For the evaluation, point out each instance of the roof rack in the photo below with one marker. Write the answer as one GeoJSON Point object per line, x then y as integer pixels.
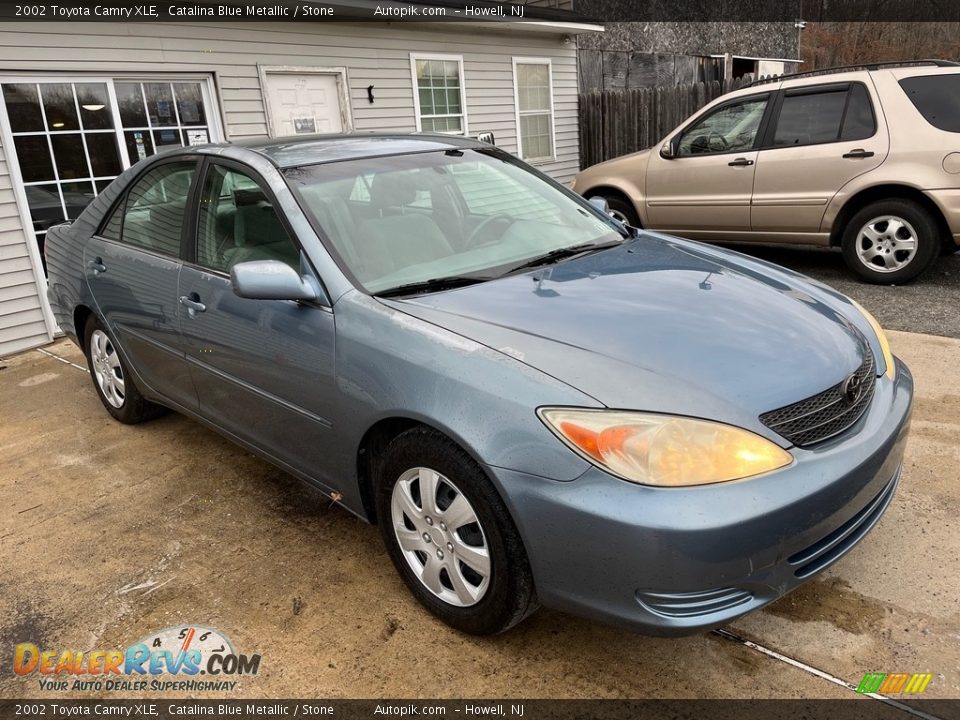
{"type": "Point", "coordinates": [847, 68]}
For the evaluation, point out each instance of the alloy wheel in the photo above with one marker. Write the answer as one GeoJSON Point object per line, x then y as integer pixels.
{"type": "Point", "coordinates": [886, 244]}
{"type": "Point", "coordinates": [440, 537]}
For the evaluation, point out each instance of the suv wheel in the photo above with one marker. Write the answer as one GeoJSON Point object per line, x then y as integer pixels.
{"type": "Point", "coordinates": [890, 241]}
{"type": "Point", "coordinates": [450, 536]}
{"type": "Point", "coordinates": [112, 381]}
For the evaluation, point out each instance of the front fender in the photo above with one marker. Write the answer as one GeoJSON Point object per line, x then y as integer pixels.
{"type": "Point", "coordinates": [392, 365]}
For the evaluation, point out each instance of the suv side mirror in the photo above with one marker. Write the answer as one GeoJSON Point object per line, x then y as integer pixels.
{"type": "Point", "coordinates": [668, 150]}
{"type": "Point", "coordinates": [271, 280]}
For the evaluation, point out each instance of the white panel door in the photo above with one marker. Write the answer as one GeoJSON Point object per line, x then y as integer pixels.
{"type": "Point", "coordinates": [304, 104]}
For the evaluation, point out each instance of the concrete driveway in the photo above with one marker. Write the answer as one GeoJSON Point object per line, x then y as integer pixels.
{"type": "Point", "coordinates": [109, 533]}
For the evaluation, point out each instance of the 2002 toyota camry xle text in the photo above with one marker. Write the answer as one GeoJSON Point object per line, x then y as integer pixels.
{"type": "Point", "coordinates": [535, 403]}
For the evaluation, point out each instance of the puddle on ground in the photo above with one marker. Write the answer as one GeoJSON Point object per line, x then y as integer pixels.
{"type": "Point", "coordinates": [831, 600]}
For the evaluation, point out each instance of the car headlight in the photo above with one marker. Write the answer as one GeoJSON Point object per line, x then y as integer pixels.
{"type": "Point", "coordinates": [664, 450]}
{"type": "Point", "coordinates": [891, 366]}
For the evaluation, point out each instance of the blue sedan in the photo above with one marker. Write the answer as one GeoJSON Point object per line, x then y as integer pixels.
{"type": "Point", "coordinates": [534, 402]}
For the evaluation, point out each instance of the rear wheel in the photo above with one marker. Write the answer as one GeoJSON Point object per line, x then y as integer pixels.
{"type": "Point", "coordinates": [114, 385]}
{"type": "Point", "coordinates": [450, 535]}
{"type": "Point", "coordinates": [891, 241]}
{"type": "Point", "coordinates": [620, 208]}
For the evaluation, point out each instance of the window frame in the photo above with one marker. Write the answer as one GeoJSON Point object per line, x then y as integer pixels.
{"type": "Point", "coordinates": [192, 237]}
{"type": "Point", "coordinates": [120, 205]}
{"type": "Point", "coordinates": [418, 116]}
{"type": "Point", "coordinates": [518, 114]}
{"type": "Point", "coordinates": [762, 129]}
{"type": "Point", "coordinates": [818, 89]}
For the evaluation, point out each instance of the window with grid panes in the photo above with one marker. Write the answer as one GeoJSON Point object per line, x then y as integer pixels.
{"type": "Point", "coordinates": [534, 110]}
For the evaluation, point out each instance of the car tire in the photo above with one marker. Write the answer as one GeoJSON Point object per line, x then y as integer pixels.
{"type": "Point", "coordinates": [112, 380]}
{"type": "Point", "coordinates": [621, 209]}
{"type": "Point", "coordinates": [891, 241]}
{"type": "Point", "coordinates": [484, 586]}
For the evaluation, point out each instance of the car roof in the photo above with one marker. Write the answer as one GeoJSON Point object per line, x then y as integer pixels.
{"type": "Point", "coordinates": [298, 150]}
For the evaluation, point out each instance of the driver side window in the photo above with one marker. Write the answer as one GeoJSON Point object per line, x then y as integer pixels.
{"type": "Point", "coordinates": [237, 223]}
{"type": "Point", "coordinates": [731, 128]}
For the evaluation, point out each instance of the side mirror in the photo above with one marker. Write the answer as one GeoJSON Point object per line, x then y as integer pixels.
{"type": "Point", "coordinates": [668, 150]}
{"type": "Point", "coordinates": [271, 280]}
{"type": "Point", "coordinates": [600, 203]}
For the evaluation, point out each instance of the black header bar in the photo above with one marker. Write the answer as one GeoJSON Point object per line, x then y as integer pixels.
{"type": "Point", "coordinates": [584, 11]}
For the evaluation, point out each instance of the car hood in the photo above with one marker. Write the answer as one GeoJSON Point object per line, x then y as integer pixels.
{"type": "Point", "coordinates": [662, 325]}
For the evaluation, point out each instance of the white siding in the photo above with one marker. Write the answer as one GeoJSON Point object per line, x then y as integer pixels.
{"type": "Point", "coordinates": [22, 324]}
{"type": "Point", "coordinates": [377, 55]}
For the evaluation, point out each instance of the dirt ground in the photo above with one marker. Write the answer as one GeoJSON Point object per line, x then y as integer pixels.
{"type": "Point", "coordinates": [109, 533]}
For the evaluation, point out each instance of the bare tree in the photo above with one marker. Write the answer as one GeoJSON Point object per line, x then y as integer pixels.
{"type": "Point", "coordinates": [851, 43]}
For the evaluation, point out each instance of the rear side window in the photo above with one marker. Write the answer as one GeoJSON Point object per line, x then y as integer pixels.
{"type": "Point", "coordinates": [937, 97]}
{"type": "Point", "coordinates": [151, 215]}
{"type": "Point", "coordinates": [810, 118]}
{"type": "Point", "coordinates": [858, 121]}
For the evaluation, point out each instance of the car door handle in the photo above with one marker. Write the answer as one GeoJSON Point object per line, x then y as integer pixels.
{"type": "Point", "coordinates": [859, 153]}
{"type": "Point", "coordinates": [740, 162]}
{"type": "Point", "coordinates": [193, 306]}
{"type": "Point", "coordinates": [97, 266]}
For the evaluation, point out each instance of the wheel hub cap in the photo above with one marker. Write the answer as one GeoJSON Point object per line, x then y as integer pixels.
{"type": "Point", "coordinates": [107, 370]}
{"type": "Point", "coordinates": [886, 244]}
{"type": "Point", "coordinates": [440, 537]}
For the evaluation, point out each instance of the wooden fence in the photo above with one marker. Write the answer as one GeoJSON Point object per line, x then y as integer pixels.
{"type": "Point", "coordinates": [617, 122]}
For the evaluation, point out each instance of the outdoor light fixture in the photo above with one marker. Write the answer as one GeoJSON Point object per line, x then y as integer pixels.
{"type": "Point", "coordinates": [93, 108]}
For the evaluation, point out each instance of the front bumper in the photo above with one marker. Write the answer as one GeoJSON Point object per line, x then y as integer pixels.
{"type": "Point", "coordinates": [675, 561]}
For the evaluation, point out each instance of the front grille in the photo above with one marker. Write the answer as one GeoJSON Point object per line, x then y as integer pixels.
{"type": "Point", "coordinates": [692, 604]}
{"type": "Point", "coordinates": [827, 550]}
{"type": "Point", "coordinates": [826, 414]}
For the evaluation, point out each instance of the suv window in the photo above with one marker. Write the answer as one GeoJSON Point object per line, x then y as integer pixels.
{"type": "Point", "coordinates": [237, 223]}
{"type": "Point", "coordinates": [937, 97]}
{"type": "Point", "coordinates": [731, 128]}
{"type": "Point", "coordinates": [810, 118]}
{"type": "Point", "coordinates": [151, 214]}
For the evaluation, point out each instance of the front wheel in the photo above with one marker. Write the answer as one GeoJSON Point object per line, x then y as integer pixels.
{"type": "Point", "coordinates": [450, 536]}
{"type": "Point", "coordinates": [891, 241]}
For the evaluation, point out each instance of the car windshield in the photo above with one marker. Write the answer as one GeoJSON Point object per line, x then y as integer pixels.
{"type": "Point", "coordinates": [410, 219]}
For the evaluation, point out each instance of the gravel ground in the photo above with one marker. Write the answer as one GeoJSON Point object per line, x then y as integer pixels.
{"type": "Point", "coordinates": [928, 305]}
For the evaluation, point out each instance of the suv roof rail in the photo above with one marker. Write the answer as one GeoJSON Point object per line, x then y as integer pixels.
{"type": "Point", "coordinates": [846, 68]}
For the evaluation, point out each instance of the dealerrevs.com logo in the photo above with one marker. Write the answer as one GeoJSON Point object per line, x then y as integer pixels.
{"type": "Point", "coordinates": [187, 658]}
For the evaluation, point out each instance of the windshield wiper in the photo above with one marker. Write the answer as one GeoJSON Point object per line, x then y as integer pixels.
{"type": "Point", "coordinates": [563, 253]}
{"type": "Point", "coordinates": [432, 285]}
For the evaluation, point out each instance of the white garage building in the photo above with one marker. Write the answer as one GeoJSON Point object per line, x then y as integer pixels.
{"type": "Point", "coordinates": [83, 101]}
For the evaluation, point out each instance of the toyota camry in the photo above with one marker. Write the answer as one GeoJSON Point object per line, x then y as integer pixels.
{"type": "Point", "coordinates": [537, 404]}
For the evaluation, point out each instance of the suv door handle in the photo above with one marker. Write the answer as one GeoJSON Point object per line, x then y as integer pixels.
{"type": "Point", "coordinates": [740, 162]}
{"type": "Point", "coordinates": [193, 306]}
{"type": "Point", "coordinates": [859, 153]}
{"type": "Point", "coordinates": [97, 266]}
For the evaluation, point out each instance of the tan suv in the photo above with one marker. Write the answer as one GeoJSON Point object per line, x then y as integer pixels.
{"type": "Point", "coordinates": [865, 158]}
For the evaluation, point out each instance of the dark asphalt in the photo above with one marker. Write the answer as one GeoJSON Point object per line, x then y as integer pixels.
{"type": "Point", "coordinates": [930, 304]}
